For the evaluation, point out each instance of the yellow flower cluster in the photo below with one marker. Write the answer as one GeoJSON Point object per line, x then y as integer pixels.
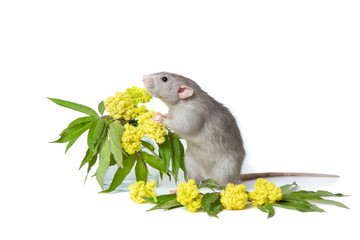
{"type": "Point", "coordinates": [131, 137]}
{"type": "Point", "coordinates": [189, 196]}
{"type": "Point", "coordinates": [152, 129]}
{"type": "Point", "coordinates": [138, 95]}
{"type": "Point", "coordinates": [119, 106]}
{"type": "Point", "coordinates": [124, 105]}
{"type": "Point", "coordinates": [141, 189]}
{"type": "Point", "coordinates": [265, 192]}
{"type": "Point", "coordinates": [234, 197]}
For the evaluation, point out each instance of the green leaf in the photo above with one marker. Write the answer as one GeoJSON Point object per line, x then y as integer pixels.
{"type": "Point", "coordinates": [91, 163]}
{"type": "Point", "coordinates": [77, 121]}
{"type": "Point", "coordinates": [148, 145]}
{"type": "Point", "coordinates": [300, 202]}
{"type": "Point", "coordinates": [288, 188]}
{"type": "Point", "coordinates": [73, 132]}
{"type": "Point", "coordinates": [165, 151]}
{"type": "Point", "coordinates": [166, 205]}
{"type": "Point", "coordinates": [101, 107]}
{"type": "Point", "coordinates": [211, 204]}
{"type": "Point", "coordinates": [301, 207]}
{"type": "Point", "coordinates": [104, 162]}
{"type": "Point", "coordinates": [140, 171]}
{"type": "Point", "coordinates": [312, 195]}
{"type": "Point", "coordinates": [121, 173]}
{"type": "Point", "coordinates": [70, 143]}
{"type": "Point", "coordinates": [176, 156]}
{"type": "Point", "coordinates": [208, 199]}
{"type": "Point", "coordinates": [116, 130]}
{"type": "Point", "coordinates": [268, 208]}
{"type": "Point", "coordinates": [330, 202]}
{"type": "Point", "coordinates": [75, 106]}
{"type": "Point", "coordinates": [89, 154]}
{"type": "Point", "coordinates": [182, 160]}
{"type": "Point", "coordinates": [153, 162]}
{"type": "Point", "coordinates": [210, 183]}
{"type": "Point", "coordinates": [94, 134]}
{"type": "Point", "coordinates": [161, 199]}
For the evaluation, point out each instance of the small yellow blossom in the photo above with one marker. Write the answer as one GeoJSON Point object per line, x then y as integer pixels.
{"type": "Point", "coordinates": [124, 105]}
{"type": "Point", "coordinates": [131, 138]}
{"type": "Point", "coordinates": [137, 111]}
{"type": "Point", "coordinates": [189, 195]}
{"type": "Point", "coordinates": [141, 189]}
{"type": "Point", "coordinates": [119, 106]}
{"type": "Point", "coordinates": [265, 192]}
{"type": "Point", "coordinates": [152, 129]}
{"type": "Point", "coordinates": [138, 95]}
{"type": "Point", "coordinates": [234, 197]}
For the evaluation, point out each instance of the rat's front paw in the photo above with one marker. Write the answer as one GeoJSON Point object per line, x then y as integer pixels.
{"type": "Point", "coordinates": [158, 117]}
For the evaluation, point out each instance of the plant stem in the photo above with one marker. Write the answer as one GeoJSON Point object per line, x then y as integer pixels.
{"type": "Point", "coordinates": [152, 195]}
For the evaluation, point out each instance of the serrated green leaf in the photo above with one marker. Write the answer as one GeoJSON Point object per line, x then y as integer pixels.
{"type": "Point", "coordinates": [148, 145]}
{"type": "Point", "coordinates": [330, 202]}
{"type": "Point", "coordinates": [75, 106]}
{"type": "Point", "coordinates": [268, 208]}
{"type": "Point", "coordinates": [209, 183]}
{"type": "Point", "coordinates": [288, 188]}
{"type": "Point", "coordinates": [176, 154]}
{"type": "Point", "coordinates": [91, 163]}
{"type": "Point", "coordinates": [312, 195]}
{"type": "Point", "coordinates": [94, 134]}
{"type": "Point", "coordinates": [208, 199]}
{"type": "Point", "coordinates": [153, 162]}
{"type": "Point", "coordinates": [115, 133]}
{"type": "Point", "coordinates": [296, 201]}
{"type": "Point", "coordinates": [182, 161]}
{"type": "Point", "coordinates": [70, 143]}
{"type": "Point", "coordinates": [165, 152]}
{"type": "Point", "coordinates": [101, 107]}
{"type": "Point", "coordinates": [161, 199]}
{"type": "Point", "coordinates": [104, 162]}
{"type": "Point", "coordinates": [77, 121]}
{"type": "Point", "coordinates": [298, 206]}
{"type": "Point", "coordinates": [89, 154]}
{"type": "Point", "coordinates": [166, 205]}
{"type": "Point", "coordinates": [112, 160]}
{"type": "Point", "coordinates": [121, 173]}
{"type": "Point", "coordinates": [73, 132]}
{"type": "Point", "coordinates": [140, 171]}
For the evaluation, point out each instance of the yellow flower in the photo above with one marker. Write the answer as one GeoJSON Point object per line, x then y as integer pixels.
{"type": "Point", "coordinates": [234, 197]}
{"type": "Point", "coordinates": [189, 195]}
{"type": "Point", "coordinates": [265, 192]}
{"type": "Point", "coordinates": [138, 95]}
{"type": "Point", "coordinates": [131, 138]}
{"type": "Point", "coordinates": [119, 106]}
{"type": "Point", "coordinates": [141, 189]}
{"type": "Point", "coordinates": [152, 129]}
{"type": "Point", "coordinates": [124, 105]}
{"type": "Point", "coordinates": [137, 111]}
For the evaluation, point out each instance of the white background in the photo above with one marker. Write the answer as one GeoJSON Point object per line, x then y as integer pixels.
{"type": "Point", "coordinates": [288, 71]}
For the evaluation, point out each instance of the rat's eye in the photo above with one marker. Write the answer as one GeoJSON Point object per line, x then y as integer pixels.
{"type": "Point", "coordinates": [164, 79]}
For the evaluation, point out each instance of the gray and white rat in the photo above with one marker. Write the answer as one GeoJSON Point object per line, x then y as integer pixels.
{"type": "Point", "coordinates": [215, 147]}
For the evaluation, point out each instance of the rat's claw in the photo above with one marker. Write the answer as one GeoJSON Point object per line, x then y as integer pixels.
{"type": "Point", "coordinates": [158, 117]}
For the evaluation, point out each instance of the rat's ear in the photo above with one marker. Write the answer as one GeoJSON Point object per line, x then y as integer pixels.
{"type": "Point", "coordinates": [185, 92]}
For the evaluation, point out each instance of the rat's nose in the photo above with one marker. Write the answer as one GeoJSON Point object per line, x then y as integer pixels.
{"type": "Point", "coordinates": [143, 78]}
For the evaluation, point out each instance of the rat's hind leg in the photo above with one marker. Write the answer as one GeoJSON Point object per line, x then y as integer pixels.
{"type": "Point", "coordinates": [193, 169]}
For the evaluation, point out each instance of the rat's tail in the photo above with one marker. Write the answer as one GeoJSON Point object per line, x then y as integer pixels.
{"type": "Point", "coordinates": [251, 176]}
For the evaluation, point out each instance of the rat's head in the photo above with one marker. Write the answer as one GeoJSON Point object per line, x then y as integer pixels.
{"type": "Point", "coordinates": [168, 87]}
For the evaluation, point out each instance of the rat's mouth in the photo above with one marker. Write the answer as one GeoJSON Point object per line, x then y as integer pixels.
{"type": "Point", "coordinates": [148, 83]}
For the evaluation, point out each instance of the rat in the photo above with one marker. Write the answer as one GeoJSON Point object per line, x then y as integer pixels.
{"type": "Point", "coordinates": [215, 148]}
